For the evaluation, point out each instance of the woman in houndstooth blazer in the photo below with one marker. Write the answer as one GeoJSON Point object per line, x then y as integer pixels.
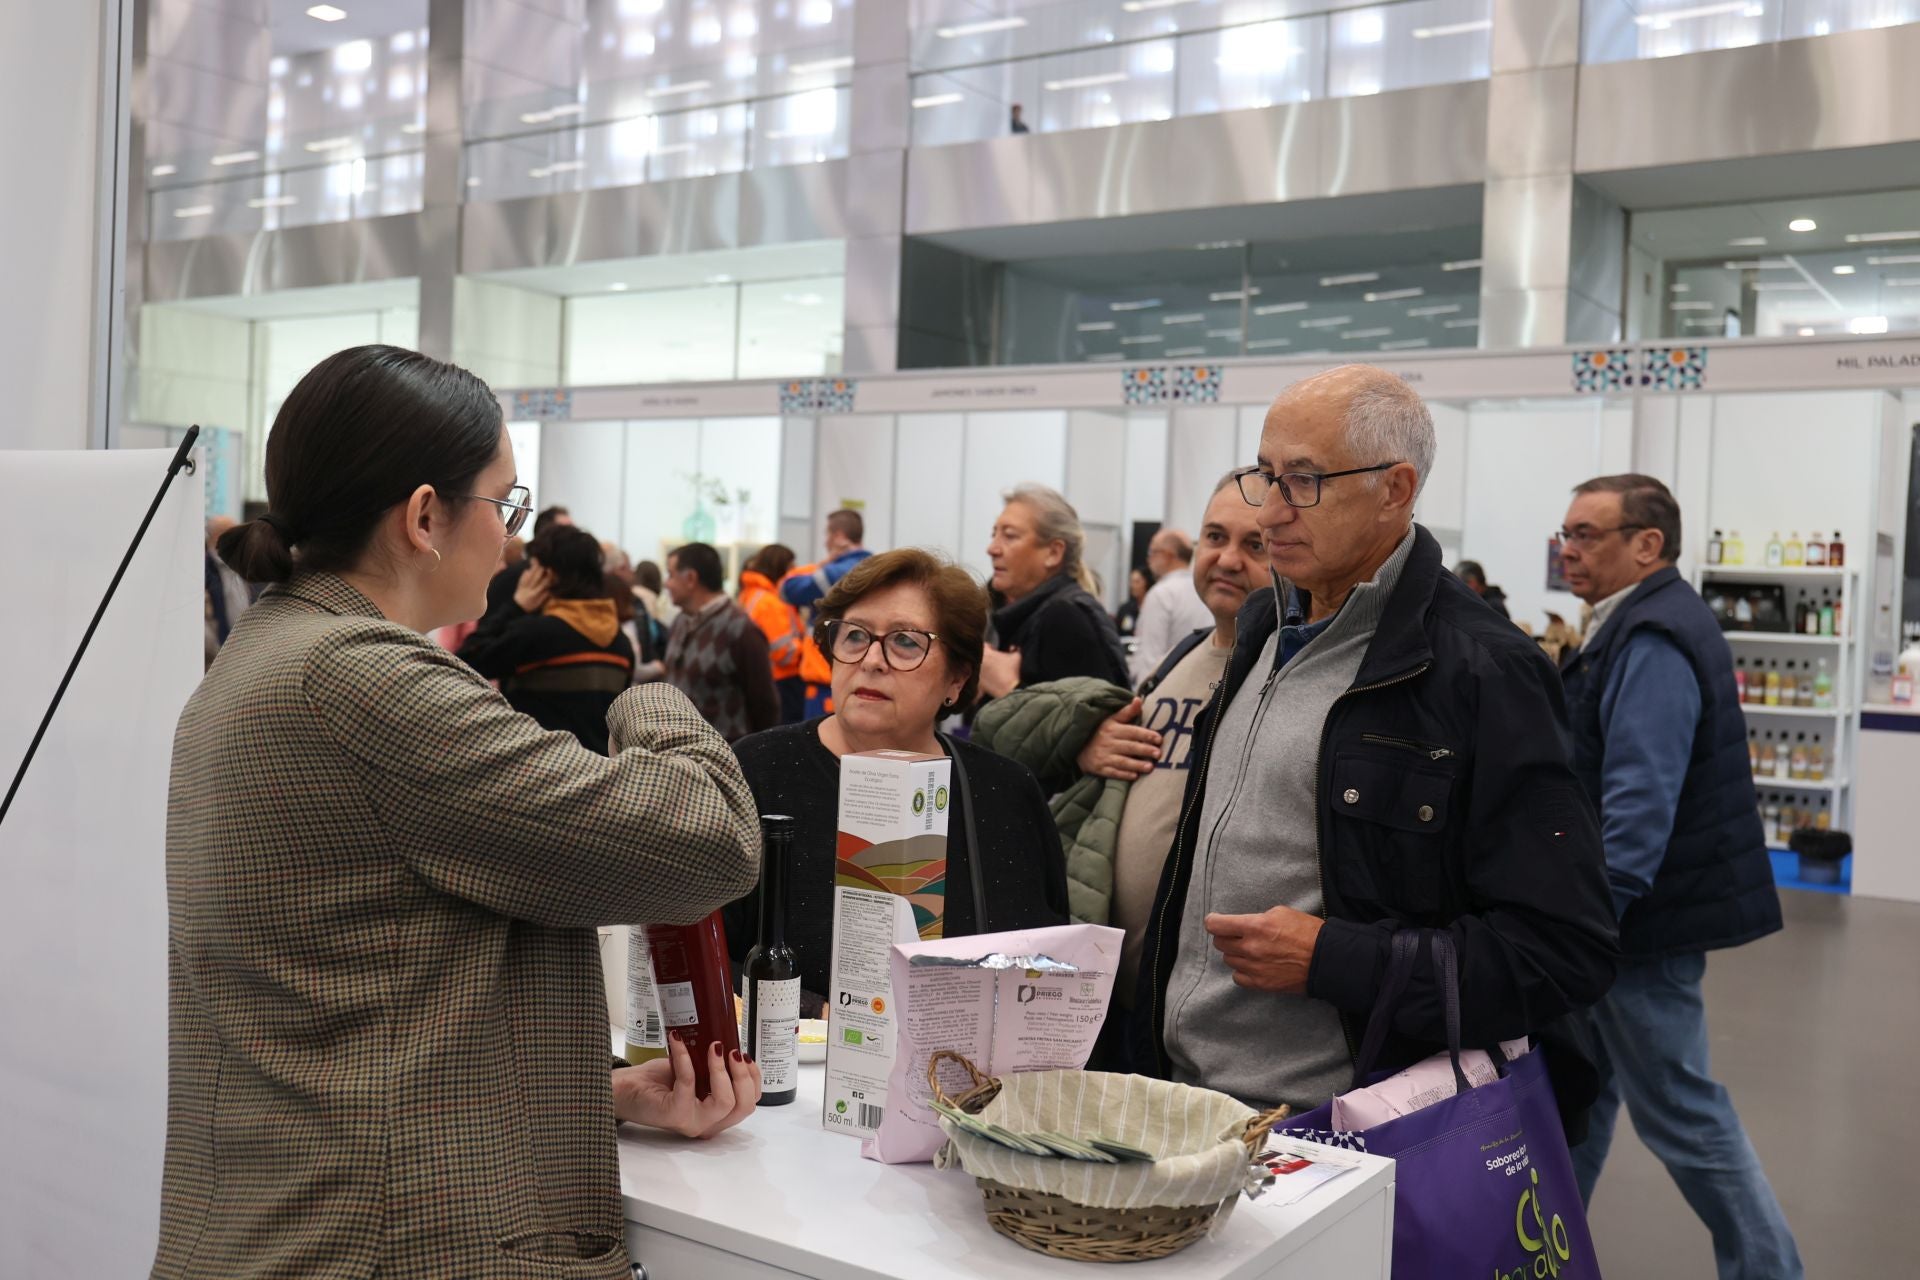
{"type": "Point", "coordinates": [388, 1037]}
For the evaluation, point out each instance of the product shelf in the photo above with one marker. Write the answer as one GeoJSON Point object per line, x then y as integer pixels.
{"type": "Point", "coordinates": [1760, 572]}
{"type": "Point", "coordinates": [1785, 637]}
{"type": "Point", "coordinates": [1786, 873]}
{"type": "Point", "coordinates": [1809, 713]}
{"type": "Point", "coordinates": [1766, 782]}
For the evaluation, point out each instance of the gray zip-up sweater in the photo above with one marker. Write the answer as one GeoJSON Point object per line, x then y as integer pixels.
{"type": "Point", "coordinates": [1257, 848]}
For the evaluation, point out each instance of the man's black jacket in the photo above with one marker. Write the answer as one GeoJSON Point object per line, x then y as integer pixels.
{"type": "Point", "coordinates": [1445, 800]}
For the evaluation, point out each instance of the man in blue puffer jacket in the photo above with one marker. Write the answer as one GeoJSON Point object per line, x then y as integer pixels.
{"type": "Point", "coordinates": [1660, 743]}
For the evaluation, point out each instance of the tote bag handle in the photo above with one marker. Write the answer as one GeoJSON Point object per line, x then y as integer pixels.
{"type": "Point", "coordinates": [1400, 965]}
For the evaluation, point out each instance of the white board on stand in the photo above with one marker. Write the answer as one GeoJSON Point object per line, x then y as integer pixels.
{"type": "Point", "coordinates": [83, 907]}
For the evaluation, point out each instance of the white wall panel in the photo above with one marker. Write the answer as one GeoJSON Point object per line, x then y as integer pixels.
{"type": "Point", "coordinates": [797, 438]}
{"type": "Point", "coordinates": [1762, 480]}
{"type": "Point", "coordinates": [1442, 505]}
{"type": "Point", "coordinates": [1146, 467]}
{"type": "Point", "coordinates": [1246, 451]}
{"type": "Point", "coordinates": [929, 449]}
{"type": "Point", "coordinates": [1004, 450]}
{"type": "Point", "coordinates": [660, 457]}
{"type": "Point", "coordinates": [1521, 464]}
{"type": "Point", "coordinates": [581, 468]}
{"type": "Point", "coordinates": [1097, 465]}
{"type": "Point", "coordinates": [854, 464]}
{"type": "Point", "coordinates": [1205, 443]}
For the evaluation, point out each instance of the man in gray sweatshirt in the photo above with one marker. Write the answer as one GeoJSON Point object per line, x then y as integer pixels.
{"type": "Point", "coordinates": [1384, 752]}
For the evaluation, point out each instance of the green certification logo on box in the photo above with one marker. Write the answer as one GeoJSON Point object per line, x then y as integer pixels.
{"type": "Point", "coordinates": [919, 803]}
{"type": "Point", "coordinates": [940, 800]}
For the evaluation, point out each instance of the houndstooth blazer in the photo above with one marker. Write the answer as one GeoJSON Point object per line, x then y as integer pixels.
{"type": "Point", "coordinates": [388, 1037]}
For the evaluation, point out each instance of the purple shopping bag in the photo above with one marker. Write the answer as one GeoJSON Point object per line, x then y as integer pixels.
{"type": "Point", "coordinates": [1484, 1184]}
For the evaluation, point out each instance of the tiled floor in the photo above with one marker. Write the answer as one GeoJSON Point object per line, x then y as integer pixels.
{"type": "Point", "coordinates": [1816, 1031]}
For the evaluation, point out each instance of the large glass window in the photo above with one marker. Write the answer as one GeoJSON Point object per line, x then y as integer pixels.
{"type": "Point", "coordinates": [1391, 291]}
{"type": "Point", "coordinates": [1781, 268]}
{"type": "Point", "coordinates": [1085, 65]}
{"type": "Point", "coordinates": [258, 120]}
{"type": "Point", "coordinates": [1621, 30]}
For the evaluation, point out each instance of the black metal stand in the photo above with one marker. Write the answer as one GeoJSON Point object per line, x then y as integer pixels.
{"type": "Point", "coordinates": [180, 460]}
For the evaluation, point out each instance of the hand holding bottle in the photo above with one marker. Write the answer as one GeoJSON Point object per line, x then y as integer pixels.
{"type": "Point", "coordinates": [660, 1094]}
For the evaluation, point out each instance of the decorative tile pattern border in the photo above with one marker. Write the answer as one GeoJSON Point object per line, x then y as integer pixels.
{"type": "Point", "coordinates": [1173, 384]}
{"type": "Point", "coordinates": [1644, 368]}
{"type": "Point", "coordinates": [817, 395]}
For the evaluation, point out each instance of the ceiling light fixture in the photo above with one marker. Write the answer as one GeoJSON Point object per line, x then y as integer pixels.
{"type": "Point", "coordinates": [1143, 339]}
{"type": "Point", "coordinates": [1465, 264]}
{"type": "Point", "coordinates": [1097, 326]}
{"type": "Point", "coordinates": [272, 202]}
{"type": "Point", "coordinates": [1806, 333]}
{"type": "Point", "coordinates": [1326, 322]}
{"type": "Point", "coordinates": [1462, 324]}
{"type": "Point", "coordinates": [722, 278]}
{"type": "Point", "coordinates": [1867, 324]}
{"type": "Point", "coordinates": [1421, 313]}
{"type": "Point", "coordinates": [1393, 295]}
{"type": "Point", "coordinates": [618, 286]}
{"type": "Point", "coordinates": [326, 13]}
{"type": "Point", "coordinates": [1186, 351]}
{"type": "Point", "coordinates": [1231, 334]}
{"type": "Point", "coordinates": [1141, 304]}
{"type": "Point", "coordinates": [1761, 264]}
{"type": "Point", "coordinates": [1357, 277]}
{"type": "Point", "coordinates": [1279, 308]}
{"type": "Point", "coordinates": [1694, 306]}
{"type": "Point", "coordinates": [1803, 224]}
{"type": "Point", "coordinates": [1405, 344]}
{"type": "Point", "coordinates": [415, 127]}
{"type": "Point", "coordinates": [1086, 82]}
{"type": "Point", "coordinates": [193, 211]}
{"type": "Point", "coordinates": [1147, 6]}
{"type": "Point", "coordinates": [1892, 260]}
{"type": "Point", "coordinates": [1191, 317]}
{"type": "Point", "coordinates": [1882, 237]}
{"type": "Point", "coordinates": [1353, 334]}
{"type": "Point", "coordinates": [1844, 269]}
{"type": "Point", "coordinates": [1452, 29]}
{"type": "Point", "coordinates": [1747, 242]}
{"type": "Point", "coordinates": [329, 144]}
{"type": "Point", "coordinates": [935, 100]}
{"type": "Point", "coordinates": [165, 170]}
{"type": "Point", "coordinates": [1261, 344]}
{"type": "Point", "coordinates": [1683, 288]}
{"type": "Point", "coordinates": [824, 64]}
{"type": "Point", "coordinates": [235, 157]}
{"type": "Point", "coordinates": [1903, 282]}
{"type": "Point", "coordinates": [1783, 286]}
{"type": "Point", "coordinates": [691, 86]}
{"type": "Point", "coordinates": [979, 28]}
{"type": "Point", "coordinates": [1233, 295]}
{"type": "Point", "coordinates": [1661, 21]}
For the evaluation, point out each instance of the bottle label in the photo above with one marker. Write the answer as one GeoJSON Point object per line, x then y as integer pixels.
{"type": "Point", "coordinates": [775, 1038]}
{"type": "Point", "coordinates": [644, 1028]}
{"type": "Point", "coordinates": [676, 1003]}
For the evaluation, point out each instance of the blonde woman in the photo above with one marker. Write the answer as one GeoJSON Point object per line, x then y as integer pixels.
{"type": "Point", "coordinates": [1049, 625]}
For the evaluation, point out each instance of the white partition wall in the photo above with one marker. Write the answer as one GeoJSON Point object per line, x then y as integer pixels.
{"type": "Point", "coordinates": [1003, 450]}
{"type": "Point", "coordinates": [854, 467]}
{"type": "Point", "coordinates": [1204, 444]}
{"type": "Point", "coordinates": [659, 462]}
{"type": "Point", "coordinates": [927, 454]}
{"type": "Point", "coordinates": [581, 464]}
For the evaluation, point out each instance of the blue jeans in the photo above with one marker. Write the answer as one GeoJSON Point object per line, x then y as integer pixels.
{"type": "Point", "coordinates": [1653, 1032]}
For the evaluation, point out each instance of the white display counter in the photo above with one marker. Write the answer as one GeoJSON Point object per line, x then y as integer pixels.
{"type": "Point", "coordinates": [1884, 864]}
{"type": "Point", "coordinates": [779, 1196]}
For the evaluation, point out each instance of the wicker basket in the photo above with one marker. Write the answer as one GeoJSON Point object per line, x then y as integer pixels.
{"type": "Point", "coordinates": [1053, 1224]}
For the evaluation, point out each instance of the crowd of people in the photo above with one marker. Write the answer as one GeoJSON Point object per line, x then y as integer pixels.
{"type": "Point", "coordinates": [1320, 738]}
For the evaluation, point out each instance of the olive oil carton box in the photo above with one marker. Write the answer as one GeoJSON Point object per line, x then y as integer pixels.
{"type": "Point", "coordinates": [890, 885]}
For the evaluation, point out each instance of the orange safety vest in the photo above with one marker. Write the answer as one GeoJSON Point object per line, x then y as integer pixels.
{"type": "Point", "coordinates": [778, 619]}
{"type": "Point", "coordinates": [815, 669]}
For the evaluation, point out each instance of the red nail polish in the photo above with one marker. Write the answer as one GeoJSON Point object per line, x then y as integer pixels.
{"type": "Point", "coordinates": [737, 1057]}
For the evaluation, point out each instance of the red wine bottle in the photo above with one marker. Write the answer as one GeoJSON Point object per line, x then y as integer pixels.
{"type": "Point", "coordinates": [771, 975]}
{"type": "Point", "coordinates": [692, 980]}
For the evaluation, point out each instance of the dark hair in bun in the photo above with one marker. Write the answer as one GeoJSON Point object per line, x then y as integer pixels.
{"type": "Point", "coordinates": [359, 433]}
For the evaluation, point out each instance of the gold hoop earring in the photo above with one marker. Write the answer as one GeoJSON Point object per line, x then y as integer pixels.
{"type": "Point", "coordinates": [436, 558]}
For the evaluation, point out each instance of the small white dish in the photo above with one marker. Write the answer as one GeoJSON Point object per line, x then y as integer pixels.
{"type": "Point", "coordinates": [815, 1049]}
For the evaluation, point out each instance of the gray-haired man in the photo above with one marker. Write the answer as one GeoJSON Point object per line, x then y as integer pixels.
{"type": "Point", "coordinates": [1384, 752]}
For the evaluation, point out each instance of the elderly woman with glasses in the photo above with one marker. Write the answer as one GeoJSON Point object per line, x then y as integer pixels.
{"type": "Point", "coordinates": [904, 631]}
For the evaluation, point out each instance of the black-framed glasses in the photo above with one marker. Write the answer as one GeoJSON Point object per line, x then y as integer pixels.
{"type": "Point", "coordinates": [518, 504]}
{"type": "Point", "coordinates": [904, 650]}
{"type": "Point", "coordinates": [1587, 537]}
{"type": "Point", "coordinates": [1299, 488]}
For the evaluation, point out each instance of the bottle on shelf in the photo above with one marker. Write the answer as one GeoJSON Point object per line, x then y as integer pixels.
{"type": "Point", "coordinates": [1803, 691]}
{"type": "Point", "coordinates": [1770, 818]}
{"type": "Point", "coordinates": [1795, 552]}
{"type": "Point", "coordinates": [1776, 551]}
{"type": "Point", "coordinates": [1816, 761]}
{"type": "Point", "coordinates": [692, 975]}
{"type": "Point", "coordinates": [1753, 751]}
{"type": "Point", "coordinates": [1836, 552]}
{"type": "Point", "coordinates": [1716, 547]}
{"type": "Point", "coordinates": [1797, 758]}
{"type": "Point", "coordinates": [1734, 551]}
{"type": "Point", "coordinates": [1773, 684]}
{"type": "Point", "coordinates": [1823, 686]}
{"type": "Point", "coordinates": [1806, 617]}
{"type": "Point", "coordinates": [1816, 552]}
{"type": "Point", "coordinates": [1823, 819]}
{"type": "Point", "coordinates": [1740, 678]}
{"type": "Point", "coordinates": [770, 978]}
{"type": "Point", "coordinates": [1906, 671]}
{"type": "Point", "coordinates": [1783, 758]}
{"type": "Point", "coordinates": [1829, 616]}
{"type": "Point", "coordinates": [1789, 686]}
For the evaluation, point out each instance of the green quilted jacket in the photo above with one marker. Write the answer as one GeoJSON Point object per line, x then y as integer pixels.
{"type": "Point", "coordinates": [1044, 727]}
